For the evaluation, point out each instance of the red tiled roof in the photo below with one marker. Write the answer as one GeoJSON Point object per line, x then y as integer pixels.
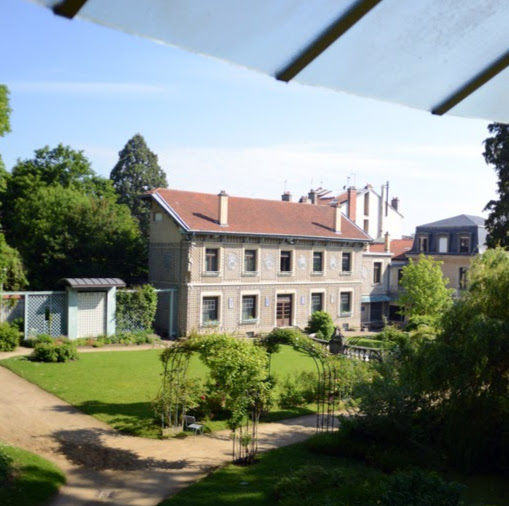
{"type": "Point", "coordinates": [399, 248]}
{"type": "Point", "coordinates": [198, 212]}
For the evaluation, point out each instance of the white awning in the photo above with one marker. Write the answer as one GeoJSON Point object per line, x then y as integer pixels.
{"type": "Point", "coordinates": [444, 56]}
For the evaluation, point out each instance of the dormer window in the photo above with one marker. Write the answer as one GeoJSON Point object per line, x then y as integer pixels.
{"type": "Point", "coordinates": [464, 244]}
{"type": "Point", "coordinates": [422, 243]}
{"type": "Point", "coordinates": [443, 244]}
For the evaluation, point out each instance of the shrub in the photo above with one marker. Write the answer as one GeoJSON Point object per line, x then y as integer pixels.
{"type": "Point", "coordinates": [419, 488]}
{"type": "Point", "coordinates": [321, 321]}
{"type": "Point", "coordinates": [298, 389]}
{"type": "Point", "coordinates": [9, 337]}
{"type": "Point", "coordinates": [55, 351]}
{"type": "Point", "coordinates": [5, 467]}
{"type": "Point", "coordinates": [136, 308]}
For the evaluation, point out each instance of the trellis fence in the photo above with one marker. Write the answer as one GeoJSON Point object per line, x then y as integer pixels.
{"type": "Point", "coordinates": [47, 313]}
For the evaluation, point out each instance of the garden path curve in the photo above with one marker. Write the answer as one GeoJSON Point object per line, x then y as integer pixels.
{"type": "Point", "coordinates": [105, 467]}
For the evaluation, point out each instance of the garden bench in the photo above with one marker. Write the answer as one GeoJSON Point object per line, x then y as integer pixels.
{"type": "Point", "coordinates": [190, 424]}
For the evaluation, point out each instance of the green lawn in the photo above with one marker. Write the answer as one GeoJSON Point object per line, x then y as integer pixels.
{"type": "Point", "coordinates": [35, 479]}
{"type": "Point", "coordinates": [117, 387]}
{"type": "Point", "coordinates": [347, 481]}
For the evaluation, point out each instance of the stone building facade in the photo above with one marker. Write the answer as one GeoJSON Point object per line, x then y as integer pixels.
{"type": "Point", "coordinates": [246, 266]}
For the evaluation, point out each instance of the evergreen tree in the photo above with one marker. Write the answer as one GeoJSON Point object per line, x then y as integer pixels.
{"type": "Point", "coordinates": [136, 172]}
{"type": "Point", "coordinates": [497, 154]}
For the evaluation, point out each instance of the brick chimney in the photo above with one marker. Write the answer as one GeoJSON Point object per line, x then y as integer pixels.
{"type": "Point", "coordinates": [312, 196]}
{"type": "Point", "coordinates": [223, 208]}
{"type": "Point", "coordinates": [387, 242]}
{"type": "Point", "coordinates": [352, 203]}
{"type": "Point", "coordinates": [337, 219]}
{"type": "Point", "coordinates": [286, 197]}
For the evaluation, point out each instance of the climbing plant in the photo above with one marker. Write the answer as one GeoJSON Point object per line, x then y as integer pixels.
{"type": "Point", "coordinates": [136, 309]}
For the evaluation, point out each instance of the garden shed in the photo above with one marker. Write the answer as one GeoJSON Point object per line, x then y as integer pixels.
{"type": "Point", "coordinates": [91, 305]}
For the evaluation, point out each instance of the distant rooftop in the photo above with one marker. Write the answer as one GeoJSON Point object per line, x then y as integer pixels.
{"type": "Point", "coordinates": [462, 220]}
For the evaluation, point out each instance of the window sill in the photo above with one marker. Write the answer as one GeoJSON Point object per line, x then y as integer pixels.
{"type": "Point", "coordinates": [210, 324]}
{"type": "Point", "coordinates": [252, 321]}
{"type": "Point", "coordinates": [211, 274]}
{"type": "Point", "coordinates": [317, 273]}
{"type": "Point", "coordinates": [345, 315]}
{"type": "Point", "coordinates": [285, 273]}
{"type": "Point", "coordinates": [250, 274]}
{"type": "Point", "coordinates": [345, 273]}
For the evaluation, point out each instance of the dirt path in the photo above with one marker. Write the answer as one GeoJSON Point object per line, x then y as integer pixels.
{"type": "Point", "coordinates": [104, 467]}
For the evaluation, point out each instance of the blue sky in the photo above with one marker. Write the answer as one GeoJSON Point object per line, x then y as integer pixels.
{"type": "Point", "coordinates": [215, 126]}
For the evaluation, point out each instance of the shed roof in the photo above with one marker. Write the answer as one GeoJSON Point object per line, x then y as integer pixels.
{"type": "Point", "coordinates": [92, 282]}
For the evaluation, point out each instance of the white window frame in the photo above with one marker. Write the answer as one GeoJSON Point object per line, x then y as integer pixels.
{"type": "Point", "coordinates": [219, 259]}
{"type": "Point", "coordinates": [324, 299]}
{"type": "Point", "coordinates": [257, 261]}
{"type": "Point", "coordinates": [324, 263]}
{"type": "Point", "coordinates": [250, 293]}
{"type": "Point", "coordinates": [219, 297]}
{"type": "Point", "coordinates": [442, 237]}
{"type": "Point", "coordinates": [347, 273]}
{"type": "Point", "coordinates": [351, 313]}
{"type": "Point", "coordinates": [292, 262]}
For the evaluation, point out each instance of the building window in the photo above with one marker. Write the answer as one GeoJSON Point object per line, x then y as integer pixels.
{"type": "Point", "coordinates": [462, 278]}
{"type": "Point", "coordinates": [317, 261]}
{"type": "Point", "coordinates": [286, 261]}
{"type": "Point", "coordinates": [211, 259]}
{"type": "Point", "coordinates": [464, 244]}
{"type": "Point", "coordinates": [250, 260]}
{"type": "Point", "coordinates": [443, 244]}
{"type": "Point", "coordinates": [423, 243]}
{"type": "Point", "coordinates": [346, 262]}
{"type": "Point", "coordinates": [377, 272]}
{"type": "Point", "coordinates": [157, 216]}
{"type": "Point", "coordinates": [248, 307]}
{"type": "Point", "coordinates": [366, 204]}
{"type": "Point", "coordinates": [316, 302]}
{"type": "Point", "coordinates": [366, 226]}
{"type": "Point", "coordinates": [345, 308]}
{"type": "Point", "coordinates": [210, 310]}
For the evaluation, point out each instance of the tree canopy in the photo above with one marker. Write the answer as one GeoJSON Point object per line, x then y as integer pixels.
{"type": "Point", "coordinates": [496, 153]}
{"type": "Point", "coordinates": [65, 221]}
{"type": "Point", "coordinates": [136, 172]}
{"type": "Point", "coordinates": [5, 127]}
{"type": "Point", "coordinates": [424, 289]}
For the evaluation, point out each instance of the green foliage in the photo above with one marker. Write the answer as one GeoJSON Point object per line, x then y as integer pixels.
{"type": "Point", "coordinates": [496, 153]}
{"type": "Point", "coordinates": [56, 351]}
{"type": "Point", "coordinates": [30, 479]}
{"type": "Point", "coordinates": [64, 221]}
{"type": "Point", "coordinates": [321, 321]}
{"type": "Point", "coordinates": [419, 488]}
{"type": "Point", "coordinates": [5, 127]}
{"type": "Point", "coordinates": [136, 308]}
{"type": "Point", "coordinates": [424, 289]}
{"type": "Point", "coordinates": [136, 172]}
{"type": "Point", "coordinates": [298, 389]}
{"type": "Point", "coordinates": [12, 273]}
{"type": "Point", "coordinates": [295, 488]}
{"type": "Point", "coordinates": [6, 466]}
{"type": "Point", "coordinates": [61, 231]}
{"type": "Point", "coordinates": [9, 337]}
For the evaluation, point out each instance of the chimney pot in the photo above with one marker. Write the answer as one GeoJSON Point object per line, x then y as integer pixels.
{"type": "Point", "coordinates": [312, 196]}
{"type": "Point", "coordinates": [387, 242]}
{"type": "Point", "coordinates": [395, 203]}
{"type": "Point", "coordinates": [286, 197]}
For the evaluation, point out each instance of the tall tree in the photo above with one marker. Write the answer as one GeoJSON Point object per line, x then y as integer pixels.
{"type": "Point", "coordinates": [136, 172]}
{"type": "Point", "coordinates": [65, 221]}
{"type": "Point", "coordinates": [5, 127]}
{"type": "Point", "coordinates": [496, 153]}
{"type": "Point", "coordinates": [424, 289]}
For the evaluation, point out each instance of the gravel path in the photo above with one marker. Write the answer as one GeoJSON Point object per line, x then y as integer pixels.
{"type": "Point", "coordinates": [105, 467]}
